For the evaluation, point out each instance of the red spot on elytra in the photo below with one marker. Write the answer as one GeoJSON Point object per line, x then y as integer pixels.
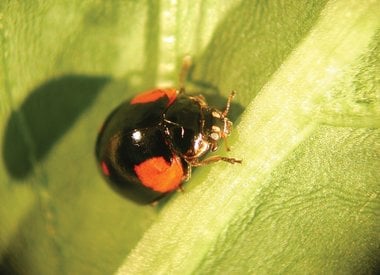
{"type": "Point", "coordinates": [153, 95]}
{"type": "Point", "coordinates": [105, 169]}
{"type": "Point", "coordinates": [160, 175]}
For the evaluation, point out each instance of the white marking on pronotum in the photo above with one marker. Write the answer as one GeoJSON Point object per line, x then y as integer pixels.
{"type": "Point", "coordinates": [215, 129]}
{"type": "Point", "coordinates": [215, 114]}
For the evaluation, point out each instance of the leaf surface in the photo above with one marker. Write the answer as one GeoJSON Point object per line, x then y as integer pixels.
{"type": "Point", "coordinates": [306, 116]}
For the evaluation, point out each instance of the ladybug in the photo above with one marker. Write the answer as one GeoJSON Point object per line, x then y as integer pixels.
{"type": "Point", "coordinates": [148, 145]}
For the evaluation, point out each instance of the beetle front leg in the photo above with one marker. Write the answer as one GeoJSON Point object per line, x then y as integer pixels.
{"type": "Point", "coordinates": [215, 159]}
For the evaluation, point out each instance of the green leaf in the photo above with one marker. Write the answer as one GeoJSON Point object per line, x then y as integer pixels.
{"type": "Point", "coordinates": [305, 199]}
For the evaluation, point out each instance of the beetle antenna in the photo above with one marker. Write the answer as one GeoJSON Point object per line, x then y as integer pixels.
{"type": "Point", "coordinates": [186, 64]}
{"type": "Point", "coordinates": [224, 114]}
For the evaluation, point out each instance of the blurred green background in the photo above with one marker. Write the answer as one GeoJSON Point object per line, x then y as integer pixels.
{"type": "Point", "coordinates": [305, 200]}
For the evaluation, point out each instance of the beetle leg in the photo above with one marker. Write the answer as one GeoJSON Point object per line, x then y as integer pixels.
{"type": "Point", "coordinates": [188, 172]}
{"type": "Point", "coordinates": [154, 203]}
{"type": "Point", "coordinates": [186, 64]}
{"type": "Point", "coordinates": [215, 159]}
{"type": "Point", "coordinates": [226, 144]}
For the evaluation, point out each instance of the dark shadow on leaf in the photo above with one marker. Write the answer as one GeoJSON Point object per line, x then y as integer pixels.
{"type": "Point", "coordinates": [44, 117]}
{"type": "Point", "coordinates": [7, 265]}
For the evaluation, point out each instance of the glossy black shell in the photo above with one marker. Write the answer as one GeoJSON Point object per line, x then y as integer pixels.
{"type": "Point", "coordinates": [166, 130]}
{"type": "Point", "coordinates": [116, 138]}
